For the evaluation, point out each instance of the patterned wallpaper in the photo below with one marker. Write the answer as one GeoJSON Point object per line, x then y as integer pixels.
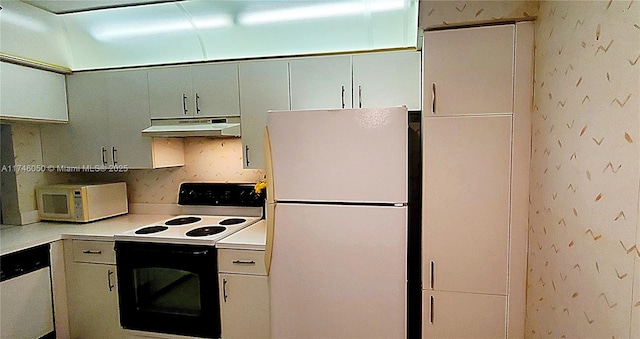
{"type": "Point", "coordinates": [206, 159]}
{"type": "Point", "coordinates": [439, 13]}
{"type": "Point", "coordinates": [584, 238]}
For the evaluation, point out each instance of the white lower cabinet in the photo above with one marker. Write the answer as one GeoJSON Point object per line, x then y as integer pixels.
{"type": "Point", "coordinates": [244, 306]}
{"type": "Point", "coordinates": [463, 315]}
{"type": "Point", "coordinates": [244, 294]}
{"type": "Point", "coordinates": [92, 290]}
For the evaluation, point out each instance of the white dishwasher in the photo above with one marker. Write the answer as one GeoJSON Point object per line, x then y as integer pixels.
{"type": "Point", "coordinates": [26, 306]}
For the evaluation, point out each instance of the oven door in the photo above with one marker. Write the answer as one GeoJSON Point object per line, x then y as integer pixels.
{"type": "Point", "coordinates": [168, 288]}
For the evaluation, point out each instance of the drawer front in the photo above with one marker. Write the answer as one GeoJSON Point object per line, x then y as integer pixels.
{"type": "Point", "coordinates": [241, 261]}
{"type": "Point", "coordinates": [100, 252]}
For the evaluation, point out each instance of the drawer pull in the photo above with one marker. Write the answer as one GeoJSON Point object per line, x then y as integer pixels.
{"type": "Point", "coordinates": [91, 252]}
{"type": "Point", "coordinates": [244, 262]}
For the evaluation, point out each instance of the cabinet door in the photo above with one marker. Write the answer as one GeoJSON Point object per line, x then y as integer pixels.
{"type": "Point", "coordinates": [264, 86]}
{"type": "Point", "coordinates": [467, 166]}
{"type": "Point", "coordinates": [387, 80]}
{"type": "Point", "coordinates": [469, 70]}
{"type": "Point", "coordinates": [321, 82]}
{"type": "Point", "coordinates": [463, 315]}
{"type": "Point", "coordinates": [128, 107]}
{"type": "Point", "coordinates": [170, 92]}
{"type": "Point", "coordinates": [29, 93]}
{"type": "Point", "coordinates": [215, 90]}
{"type": "Point", "coordinates": [244, 306]}
{"type": "Point", "coordinates": [93, 301]}
{"type": "Point", "coordinates": [83, 139]}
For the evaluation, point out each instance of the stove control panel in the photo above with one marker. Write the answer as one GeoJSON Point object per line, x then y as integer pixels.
{"type": "Point", "coordinates": [213, 194]}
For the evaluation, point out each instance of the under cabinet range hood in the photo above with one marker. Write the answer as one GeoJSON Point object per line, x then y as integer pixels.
{"type": "Point", "coordinates": [201, 127]}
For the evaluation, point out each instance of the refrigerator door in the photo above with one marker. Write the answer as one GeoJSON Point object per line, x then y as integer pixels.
{"type": "Point", "coordinates": [338, 271]}
{"type": "Point", "coordinates": [351, 155]}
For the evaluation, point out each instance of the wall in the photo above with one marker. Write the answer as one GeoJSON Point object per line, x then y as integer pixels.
{"type": "Point", "coordinates": [584, 245]}
{"type": "Point", "coordinates": [31, 33]}
{"type": "Point", "coordinates": [437, 14]}
{"type": "Point", "coordinates": [22, 142]}
{"type": "Point", "coordinates": [206, 159]}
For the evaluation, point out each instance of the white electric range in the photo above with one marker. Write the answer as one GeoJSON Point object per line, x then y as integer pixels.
{"type": "Point", "coordinates": [167, 271]}
{"type": "Point", "coordinates": [212, 212]}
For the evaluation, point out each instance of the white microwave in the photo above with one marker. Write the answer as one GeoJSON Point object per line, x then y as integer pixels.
{"type": "Point", "coordinates": [82, 203]}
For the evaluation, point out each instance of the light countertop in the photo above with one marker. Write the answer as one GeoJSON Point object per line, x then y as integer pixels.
{"type": "Point", "coordinates": [15, 238]}
{"type": "Point", "coordinates": [253, 237]}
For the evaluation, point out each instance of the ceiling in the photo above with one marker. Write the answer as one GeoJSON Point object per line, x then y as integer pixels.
{"type": "Point", "coordinates": [103, 34]}
{"type": "Point", "coordinates": [72, 6]}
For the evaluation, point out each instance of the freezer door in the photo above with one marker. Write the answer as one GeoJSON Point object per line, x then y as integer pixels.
{"type": "Point", "coordinates": [338, 271]}
{"type": "Point", "coordinates": [352, 155]}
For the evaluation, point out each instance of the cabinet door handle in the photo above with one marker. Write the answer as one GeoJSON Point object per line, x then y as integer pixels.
{"type": "Point", "coordinates": [432, 301]}
{"type": "Point", "coordinates": [432, 273]}
{"type": "Point", "coordinates": [111, 285]}
{"type": "Point", "coordinates": [184, 104]}
{"type": "Point", "coordinates": [246, 155]}
{"type": "Point", "coordinates": [104, 156]}
{"type": "Point", "coordinates": [113, 155]}
{"type": "Point", "coordinates": [224, 289]}
{"type": "Point", "coordinates": [342, 96]}
{"type": "Point", "coordinates": [197, 104]}
{"type": "Point", "coordinates": [92, 252]}
{"type": "Point", "coordinates": [359, 96]}
{"type": "Point", "coordinates": [244, 262]}
{"type": "Point", "coordinates": [433, 98]}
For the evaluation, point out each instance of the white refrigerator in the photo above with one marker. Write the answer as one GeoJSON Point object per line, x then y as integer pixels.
{"type": "Point", "coordinates": [337, 222]}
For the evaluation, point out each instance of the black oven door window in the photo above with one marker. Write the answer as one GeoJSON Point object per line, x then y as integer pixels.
{"type": "Point", "coordinates": [168, 288]}
{"type": "Point", "coordinates": [168, 291]}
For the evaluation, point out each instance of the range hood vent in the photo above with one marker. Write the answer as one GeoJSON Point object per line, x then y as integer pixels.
{"type": "Point", "coordinates": [205, 127]}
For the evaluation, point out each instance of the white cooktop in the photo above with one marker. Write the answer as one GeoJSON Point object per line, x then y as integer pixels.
{"type": "Point", "coordinates": [195, 231]}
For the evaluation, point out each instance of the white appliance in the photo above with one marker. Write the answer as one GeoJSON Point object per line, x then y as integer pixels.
{"type": "Point", "coordinates": [168, 270]}
{"type": "Point", "coordinates": [189, 229]}
{"type": "Point", "coordinates": [82, 203]}
{"type": "Point", "coordinates": [26, 305]}
{"type": "Point", "coordinates": [337, 222]}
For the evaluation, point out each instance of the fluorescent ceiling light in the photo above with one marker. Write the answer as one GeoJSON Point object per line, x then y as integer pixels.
{"type": "Point", "coordinates": [144, 28]}
{"type": "Point", "coordinates": [318, 11]}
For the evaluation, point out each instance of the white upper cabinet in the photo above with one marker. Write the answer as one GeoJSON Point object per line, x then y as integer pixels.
{"type": "Point", "coordinates": [387, 79]}
{"type": "Point", "coordinates": [264, 86]}
{"type": "Point", "coordinates": [170, 92]}
{"type": "Point", "coordinates": [321, 82]}
{"type": "Point", "coordinates": [32, 94]}
{"type": "Point", "coordinates": [209, 90]}
{"type": "Point", "coordinates": [215, 90]}
{"type": "Point", "coordinates": [85, 136]}
{"type": "Point", "coordinates": [362, 80]}
{"type": "Point", "coordinates": [108, 111]}
{"type": "Point", "coordinates": [469, 71]}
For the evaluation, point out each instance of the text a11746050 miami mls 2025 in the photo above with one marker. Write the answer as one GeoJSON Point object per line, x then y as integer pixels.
{"type": "Point", "coordinates": [65, 168]}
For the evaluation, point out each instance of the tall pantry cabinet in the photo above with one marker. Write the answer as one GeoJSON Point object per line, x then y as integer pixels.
{"type": "Point", "coordinates": [476, 130]}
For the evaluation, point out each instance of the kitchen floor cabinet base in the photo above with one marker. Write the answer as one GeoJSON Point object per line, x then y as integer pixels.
{"type": "Point", "coordinates": [463, 315]}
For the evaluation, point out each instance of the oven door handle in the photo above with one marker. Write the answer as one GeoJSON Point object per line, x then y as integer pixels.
{"type": "Point", "coordinates": [147, 252]}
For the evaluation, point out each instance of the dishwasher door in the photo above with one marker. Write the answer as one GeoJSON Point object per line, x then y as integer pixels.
{"type": "Point", "coordinates": [26, 307]}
